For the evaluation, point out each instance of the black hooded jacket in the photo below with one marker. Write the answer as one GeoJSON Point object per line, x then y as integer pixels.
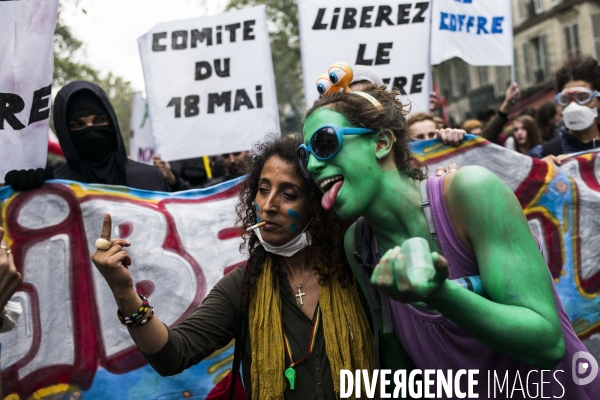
{"type": "Point", "coordinates": [564, 144]}
{"type": "Point", "coordinates": [136, 175]}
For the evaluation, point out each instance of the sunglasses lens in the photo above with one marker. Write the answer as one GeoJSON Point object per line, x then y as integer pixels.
{"type": "Point", "coordinates": [324, 142]}
{"type": "Point", "coordinates": [303, 161]}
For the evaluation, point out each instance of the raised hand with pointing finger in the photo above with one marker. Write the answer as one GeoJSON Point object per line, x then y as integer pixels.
{"type": "Point", "coordinates": [112, 260]}
{"type": "Point", "coordinates": [134, 310]}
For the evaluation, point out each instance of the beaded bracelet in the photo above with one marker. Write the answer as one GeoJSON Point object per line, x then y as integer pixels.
{"type": "Point", "coordinates": [136, 316]}
{"type": "Point", "coordinates": [142, 322]}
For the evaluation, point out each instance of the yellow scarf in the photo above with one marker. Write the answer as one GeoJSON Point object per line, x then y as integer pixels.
{"type": "Point", "coordinates": [348, 338]}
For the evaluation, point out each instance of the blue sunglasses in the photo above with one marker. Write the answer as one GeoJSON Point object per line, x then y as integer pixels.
{"type": "Point", "coordinates": [325, 144]}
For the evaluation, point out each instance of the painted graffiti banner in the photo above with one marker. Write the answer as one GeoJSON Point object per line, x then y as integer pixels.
{"type": "Point", "coordinates": [141, 141]}
{"type": "Point", "coordinates": [478, 31]}
{"type": "Point", "coordinates": [27, 49]}
{"type": "Point", "coordinates": [210, 83]}
{"type": "Point", "coordinates": [69, 340]}
{"type": "Point", "coordinates": [391, 38]}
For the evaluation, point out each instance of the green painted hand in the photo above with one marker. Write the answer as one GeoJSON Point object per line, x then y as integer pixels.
{"type": "Point", "coordinates": [390, 278]}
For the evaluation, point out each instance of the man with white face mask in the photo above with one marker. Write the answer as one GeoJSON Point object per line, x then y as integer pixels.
{"type": "Point", "coordinates": [578, 85]}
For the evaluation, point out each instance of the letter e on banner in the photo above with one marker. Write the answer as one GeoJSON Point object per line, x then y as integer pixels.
{"type": "Point", "coordinates": [25, 94]}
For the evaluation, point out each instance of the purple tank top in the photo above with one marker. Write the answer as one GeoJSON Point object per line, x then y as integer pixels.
{"type": "Point", "coordinates": [434, 342]}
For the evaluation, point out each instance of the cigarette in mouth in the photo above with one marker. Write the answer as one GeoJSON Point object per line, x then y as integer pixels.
{"type": "Point", "coordinates": [256, 226]}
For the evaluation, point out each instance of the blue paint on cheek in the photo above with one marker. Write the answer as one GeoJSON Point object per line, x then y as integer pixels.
{"type": "Point", "coordinates": [296, 216]}
{"type": "Point", "coordinates": [293, 228]}
{"type": "Point", "coordinates": [256, 209]}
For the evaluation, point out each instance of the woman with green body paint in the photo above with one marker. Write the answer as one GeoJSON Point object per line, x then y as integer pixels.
{"type": "Point", "coordinates": [520, 329]}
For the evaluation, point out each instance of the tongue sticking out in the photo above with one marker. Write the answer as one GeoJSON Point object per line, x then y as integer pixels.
{"type": "Point", "coordinates": [330, 196]}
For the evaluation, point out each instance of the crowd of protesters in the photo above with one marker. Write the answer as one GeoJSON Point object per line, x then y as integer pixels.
{"type": "Point", "coordinates": [567, 125]}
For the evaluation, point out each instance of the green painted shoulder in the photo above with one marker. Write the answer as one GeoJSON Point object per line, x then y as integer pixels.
{"type": "Point", "coordinates": [474, 183]}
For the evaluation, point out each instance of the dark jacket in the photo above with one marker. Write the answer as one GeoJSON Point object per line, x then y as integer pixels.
{"type": "Point", "coordinates": [565, 144]}
{"type": "Point", "coordinates": [138, 176]}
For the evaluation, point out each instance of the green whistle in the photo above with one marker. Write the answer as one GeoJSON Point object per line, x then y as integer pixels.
{"type": "Point", "coordinates": [291, 375]}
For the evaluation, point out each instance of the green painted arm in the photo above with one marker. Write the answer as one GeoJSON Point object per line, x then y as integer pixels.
{"type": "Point", "coordinates": [520, 317]}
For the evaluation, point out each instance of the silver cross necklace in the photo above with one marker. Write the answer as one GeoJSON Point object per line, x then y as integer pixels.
{"type": "Point", "coordinates": [300, 294]}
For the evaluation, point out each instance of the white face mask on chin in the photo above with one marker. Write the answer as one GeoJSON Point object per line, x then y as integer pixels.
{"type": "Point", "coordinates": [292, 247]}
{"type": "Point", "coordinates": [578, 117]}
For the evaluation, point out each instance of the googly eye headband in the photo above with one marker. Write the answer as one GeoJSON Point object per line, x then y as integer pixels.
{"type": "Point", "coordinates": [338, 78]}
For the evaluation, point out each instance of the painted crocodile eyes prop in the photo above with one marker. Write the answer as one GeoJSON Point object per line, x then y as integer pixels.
{"type": "Point", "coordinates": [323, 84]}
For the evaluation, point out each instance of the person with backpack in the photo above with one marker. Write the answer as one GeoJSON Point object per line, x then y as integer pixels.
{"type": "Point", "coordinates": [356, 150]}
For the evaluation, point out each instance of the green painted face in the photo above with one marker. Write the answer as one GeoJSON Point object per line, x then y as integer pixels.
{"type": "Point", "coordinates": [348, 180]}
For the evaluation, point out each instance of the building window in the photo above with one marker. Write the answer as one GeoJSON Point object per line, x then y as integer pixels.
{"type": "Point", "coordinates": [572, 38]}
{"type": "Point", "coordinates": [540, 48]}
{"type": "Point", "coordinates": [445, 79]}
{"type": "Point", "coordinates": [483, 74]}
{"type": "Point", "coordinates": [514, 74]}
{"type": "Point", "coordinates": [526, 63]}
{"type": "Point", "coordinates": [462, 78]}
{"type": "Point", "coordinates": [538, 6]}
{"type": "Point", "coordinates": [596, 30]}
{"type": "Point", "coordinates": [522, 10]}
{"type": "Point", "coordinates": [503, 79]}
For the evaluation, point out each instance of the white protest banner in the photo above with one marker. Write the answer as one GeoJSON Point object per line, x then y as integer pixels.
{"type": "Point", "coordinates": [478, 31]}
{"type": "Point", "coordinates": [26, 63]}
{"type": "Point", "coordinates": [210, 83]}
{"type": "Point", "coordinates": [391, 38]}
{"type": "Point", "coordinates": [141, 142]}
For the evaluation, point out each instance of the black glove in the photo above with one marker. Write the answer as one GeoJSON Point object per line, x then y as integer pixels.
{"type": "Point", "coordinates": [28, 179]}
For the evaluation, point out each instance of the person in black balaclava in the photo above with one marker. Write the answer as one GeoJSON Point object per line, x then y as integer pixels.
{"type": "Point", "coordinates": [89, 135]}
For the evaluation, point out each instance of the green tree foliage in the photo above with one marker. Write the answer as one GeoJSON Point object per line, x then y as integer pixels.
{"type": "Point", "coordinates": [67, 51]}
{"type": "Point", "coordinates": [285, 48]}
{"type": "Point", "coordinates": [66, 47]}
